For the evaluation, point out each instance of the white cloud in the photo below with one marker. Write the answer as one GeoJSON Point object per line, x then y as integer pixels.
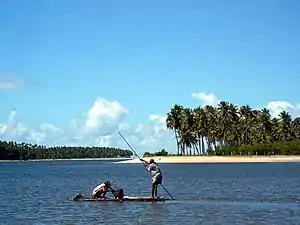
{"type": "Point", "coordinates": [10, 82]}
{"type": "Point", "coordinates": [206, 98]}
{"type": "Point", "coordinates": [100, 124]}
{"type": "Point", "coordinates": [98, 127]}
{"type": "Point", "coordinates": [276, 107]}
{"type": "Point", "coordinates": [104, 117]}
{"type": "Point", "coordinates": [46, 133]}
{"type": "Point", "coordinates": [13, 129]}
{"type": "Point", "coordinates": [2, 129]}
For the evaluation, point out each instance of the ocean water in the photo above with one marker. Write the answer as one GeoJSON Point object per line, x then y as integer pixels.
{"type": "Point", "coordinates": [254, 193]}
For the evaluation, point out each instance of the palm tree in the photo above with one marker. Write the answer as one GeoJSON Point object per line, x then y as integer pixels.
{"type": "Point", "coordinates": [265, 126]}
{"type": "Point", "coordinates": [212, 126]}
{"type": "Point", "coordinates": [188, 131]}
{"type": "Point", "coordinates": [285, 123]}
{"type": "Point", "coordinates": [275, 130]}
{"type": "Point", "coordinates": [229, 127]}
{"type": "Point", "coordinates": [246, 116]}
{"type": "Point", "coordinates": [296, 128]}
{"type": "Point", "coordinates": [201, 127]}
{"type": "Point", "coordinates": [173, 122]}
{"type": "Point", "coordinates": [225, 122]}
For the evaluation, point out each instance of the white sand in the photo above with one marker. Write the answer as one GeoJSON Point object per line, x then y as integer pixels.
{"type": "Point", "coordinates": [216, 159]}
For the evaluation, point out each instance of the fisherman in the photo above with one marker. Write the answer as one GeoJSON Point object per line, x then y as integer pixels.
{"type": "Point", "coordinates": [156, 174]}
{"type": "Point", "coordinates": [101, 190]}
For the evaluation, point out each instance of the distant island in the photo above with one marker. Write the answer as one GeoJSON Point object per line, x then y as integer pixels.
{"type": "Point", "coordinates": [229, 130]}
{"type": "Point", "coordinates": [24, 151]}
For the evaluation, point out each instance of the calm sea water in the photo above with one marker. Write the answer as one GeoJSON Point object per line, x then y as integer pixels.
{"type": "Point", "coordinates": [38, 192]}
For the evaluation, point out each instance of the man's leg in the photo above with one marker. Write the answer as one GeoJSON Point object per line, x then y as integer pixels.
{"type": "Point", "coordinates": [153, 190]}
{"type": "Point", "coordinates": [154, 187]}
{"type": "Point", "coordinates": [158, 181]}
{"type": "Point", "coordinates": [97, 195]}
{"type": "Point", "coordinates": [100, 194]}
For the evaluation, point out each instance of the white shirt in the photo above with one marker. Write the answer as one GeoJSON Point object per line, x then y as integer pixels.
{"type": "Point", "coordinates": [154, 169]}
{"type": "Point", "coordinates": [98, 188]}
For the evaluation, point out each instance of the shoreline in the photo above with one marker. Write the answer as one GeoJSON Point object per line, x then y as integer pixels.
{"type": "Point", "coordinates": [79, 159]}
{"type": "Point", "coordinates": [215, 159]}
{"type": "Point", "coordinates": [182, 159]}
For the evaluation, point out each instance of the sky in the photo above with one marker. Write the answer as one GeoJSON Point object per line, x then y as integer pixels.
{"type": "Point", "coordinates": [76, 72]}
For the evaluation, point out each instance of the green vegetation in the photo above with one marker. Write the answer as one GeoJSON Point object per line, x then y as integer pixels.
{"type": "Point", "coordinates": [15, 151]}
{"type": "Point", "coordinates": [231, 130]}
{"type": "Point", "coordinates": [162, 152]}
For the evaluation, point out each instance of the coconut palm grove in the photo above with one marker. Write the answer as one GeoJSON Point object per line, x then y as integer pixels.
{"type": "Point", "coordinates": [231, 130]}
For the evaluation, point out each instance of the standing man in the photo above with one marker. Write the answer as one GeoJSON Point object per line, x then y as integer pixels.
{"type": "Point", "coordinates": [156, 174]}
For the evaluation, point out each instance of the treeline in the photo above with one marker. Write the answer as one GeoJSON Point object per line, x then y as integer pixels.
{"type": "Point", "coordinates": [162, 152]}
{"type": "Point", "coordinates": [275, 148]}
{"type": "Point", "coordinates": [25, 151]}
{"type": "Point", "coordinates": [231, 130]}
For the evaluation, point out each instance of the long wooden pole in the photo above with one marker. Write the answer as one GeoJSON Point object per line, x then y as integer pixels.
{"type": "Point", "coordinates": [141, 160]}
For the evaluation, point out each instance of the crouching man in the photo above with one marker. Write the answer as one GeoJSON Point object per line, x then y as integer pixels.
{"type": "Point", "coordinates": [101, 190]}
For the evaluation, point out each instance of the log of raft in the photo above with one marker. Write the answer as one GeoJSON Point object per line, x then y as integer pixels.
{"type": "Point", "coordinates": [80, 197]}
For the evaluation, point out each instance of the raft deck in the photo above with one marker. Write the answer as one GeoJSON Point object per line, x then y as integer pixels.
{"type": "Point", "coordinates": [126, 198]}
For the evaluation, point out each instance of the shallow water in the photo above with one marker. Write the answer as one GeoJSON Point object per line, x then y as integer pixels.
{"type": "Point", "coordinates": [256, 193]}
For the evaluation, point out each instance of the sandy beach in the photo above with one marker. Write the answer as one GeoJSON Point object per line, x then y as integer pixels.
{"type": "Point", "coordinates": [217, 159]}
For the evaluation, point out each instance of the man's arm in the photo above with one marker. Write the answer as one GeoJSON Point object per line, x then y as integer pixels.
{"type": "Point", "coordinates": [110, 188]}
{"type": "Point", "coordinates": [145, 161]}
{"type": "Point", "coordinates": [146, 165]}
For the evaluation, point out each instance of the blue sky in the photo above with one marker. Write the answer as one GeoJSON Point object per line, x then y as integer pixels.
{"type": "Point", "coordinates": [147, 55]}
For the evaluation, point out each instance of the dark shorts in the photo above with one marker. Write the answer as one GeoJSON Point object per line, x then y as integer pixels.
{"type": "Point", "coordinates": [157, 180]}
